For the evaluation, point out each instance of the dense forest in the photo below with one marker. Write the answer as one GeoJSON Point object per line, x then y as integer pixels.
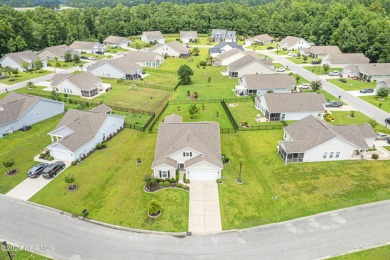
{"type": "Point", "coordinates": [353, 25]}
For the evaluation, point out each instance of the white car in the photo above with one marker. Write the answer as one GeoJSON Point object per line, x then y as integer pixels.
{"type": "Point", "coordinates": [91, 58]}
{"type": "Point", "coordinates": [291, 54]}
{"type": "Point", "coordinates": [119, 53]}
{"type": "Point", "coordinates": [305, 86]}
{"type": "Point", "coordinates": [335, 73]}
{"type": "Point", "coordinates": [281, 69]}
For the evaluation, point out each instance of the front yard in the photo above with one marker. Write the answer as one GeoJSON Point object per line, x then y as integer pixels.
{"type": "Point", "coordinates": [352, 84]}
{"type": "Point", "coordinates": [319, 70]}
{"type": "Point", "coordinates": [22, 147]}
{"type": "Point", "coordinates": [20, 254]}
{"type": "Point", "coordinates": [111, 187]}
{"type": "Point", "coordinates": [300, 60]}
{"type": "Point", "coordinates": [24, 76]}
{"type": "Point", "coordinates": [373, 100]}
{"type": "Point", "coordinates": [115, 50]}
{"type": "Point", "coordinates": [63, 64]}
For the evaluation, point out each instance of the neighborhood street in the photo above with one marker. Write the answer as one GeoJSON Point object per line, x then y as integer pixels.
{"type": "Point", "coordinates": [357, 103]}
{"type": "Point", "coordinates": [318, 236]}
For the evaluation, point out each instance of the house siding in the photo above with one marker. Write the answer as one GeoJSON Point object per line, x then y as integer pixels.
{"type": "Point", "coordinates": [180, 158]}
{"type": "Point", "coordinates": [335, 145]}
{"type": "Point", "coordinates": [253, 68]}
{"type": "Point", "coordinates": [107, 70]}
{"type": "Point", "coordinates": [167, 50]}
{"type": "Point", "coordinates": [72, 89]}
{"type": "Point", "coordinates": [7, 61]}
{"type": "Point", "coordinates": [172, 171]}
{"type": "Point", "coordinates": [48, 55]}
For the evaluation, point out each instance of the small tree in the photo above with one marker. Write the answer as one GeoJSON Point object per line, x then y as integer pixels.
{"type": "Point", "coordinates": [195, 51]}
{"type": "Point", "coordinates": [178, 108]}
{"type": "Point", "coordinates": [15, 71]}
{"type": "Point", "coordinates": [38, 64]}
{"type": "Point", "coordinates": [54, 95]}
{"type": "Point", "coordinates": [316, 85]}
{"type": "Point", "coordinates": [209, 79]}
{"type": "Point", "coordinates": [137, 46]}
{"type": "Point", "coordinates": [193, 110]}
{"type": "Point", "coordinates": [154, 207]}
{"type": "Point", "coordinates": [30, 85]}
{"type": "Point", "coordinates": [109, 57]}
{"type": "Point", "coordinates": [8, 163]}
{"type": "Point", "coordinates": [297, 78]}
{"type": "Point", "coordinates": [76, 58]}
{"type": "Point", "coordinates": [81, 67]}
{"type": "Point", "coordinates": [203, 107]}
{"type": "Point", "coordinates": [373, 123]}
{"type": "Point", "coordinates": [68, 56]}
{"type": "Point", "coordinates": [240, 162]}
{"type": "Point", "coordinates": [326, 68]}
{"type": "Point", "coordinates": [25, 65]}
{"type": "Point", "coordinates": [70, 179]}
{"type": "Point", "coordinates": [305, 58]}
{"type": "Point", "coordinates": [352, 115]}
{"type": "Point", "coordinates": [185, 73]}
{"type": "Point", "coordinates": [383, 91]}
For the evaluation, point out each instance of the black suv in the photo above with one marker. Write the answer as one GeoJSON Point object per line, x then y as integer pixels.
{"type": "Point", "coordinates": [52, 169]}
{"type": "Point", "coordinates": [387, 120]}
{"type": "Point", "coordinates": [35, 171]}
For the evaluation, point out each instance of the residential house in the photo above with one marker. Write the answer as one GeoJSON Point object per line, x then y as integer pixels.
{"type": "Point", "coordinates": [194, 148]}
{"type": "Point", "coordinates": [383, 83]}
{"type": "Point", "coordinates": [87, 47]}
{"type": "Point", "coordinates": [188, 36]}
{"type": "Point", "coordinates": [16, 60]}
{"type": "Point", "coordinates": [320, 51]}
{"type": "Point", "coordinates": [374, 71]}
{"type": "Point", "coordinates": [249, 65]}
{"type": "Point", "coordinates": [261, 39]}
{"type": "Point", "coordinates": [224, 47]}
{"type": "Point", "coordinates": [21, 110]}
{"type": "Point", "coordinates": [290, 106]}
{"type": "Point", "coordinates": [50, 53]}
{"type": "Point", "coordinates": [78, 133]}
{"type": "Point", "coordinates": [145, 58]}
{"type": "Point", "coordinates": [341, 60]}
{"type": "Point", "coordinates": [293, 43]}
{"type": "Point", "coordinates": [120, 68]}
{"type": "Point", "coordinates": [260, 84]}
{"type": "Point", "coordinates": [153, 36]}
{"type": "Point", "coordinates": [84, 84]}
{"type": "Point", "coordinates": [351, 71]}
{"type": "Point", "coordinates": [314, 140]}
{"type": "Point", "coordinates": [116, 41]}
{"type": "Point", "coordinates": [232, 55]}
{"type": "Point", "coordinates": [221, 35]}
{"type": "Point", "coordinates": [172, 49]}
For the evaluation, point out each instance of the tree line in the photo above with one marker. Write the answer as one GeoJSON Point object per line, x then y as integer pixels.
{"type": "Point", "coordinates": [353, 25]}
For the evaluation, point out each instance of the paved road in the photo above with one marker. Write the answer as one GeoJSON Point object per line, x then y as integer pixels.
{"type": "Point", "coordinates": [314, 237]}
{"type": "Point", "coordinates": [357, 103]}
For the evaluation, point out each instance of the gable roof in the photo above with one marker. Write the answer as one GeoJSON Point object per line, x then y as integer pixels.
{"type": "Point", "coordinates": [153, 35]}
{"type": "Point", "coordinates": [143, 56]}
{"type": "Point", "coordinates": [122, 64]}
{"type": "Point", "coordinates": [268, 81]}
{"type": "Point", "coordinates": [261, 38]}
{"type": "Point", "coordinates": [174, 45]}
{"type": "Point", "coordinates": [103, 109]}
{"type": "Point", "coordinates": [294, 102]}
{"type": "Point", "coordinates": [23, 56]}
{"type": "Point", "coordinates": [311, 132]}
{"type": "Point", "coordinates": [227, 54]}
{"type": "Point", "coordinates": [324, 49]}
{"type": "Point", "coordinates": [83, 45]}
{"type": "Point", "coordinates": [218, 31]}
{"type": "Point", "coordinates": [192, 34]}
{"type": "Point", "coordinates": [58, 50]}
{"type": "Point", "coordinates": [14, 105]}
{"type": "Point", "coordinates": [375, 69]}
{"type": "Point", "coordinates": [348, 58]}
{"type": "Point", "coordinates": [217, 48]}
{"type": "Point", "coordinates": [291, 40]}
{"type": "Point", "coordinates": [85, 80]}
{"type": "Point", "coordinates": [247, 59]}
{"type": "Point", "coordinates": [386, 82]}
{"type": "Point", "coordinates": [174, 136]}
{"type": "Point", "coordinates": [173, 118]}
{"type": "Point", "coordinates": [116, 39]}
{"type": "Point", "coordinates": [230, 34]}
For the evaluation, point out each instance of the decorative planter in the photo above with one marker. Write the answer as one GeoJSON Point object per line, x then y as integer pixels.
{"type": "Point", "coordinates": [72, 187]}
{"type": "Point", "coordinates": [11, 172]}
{"type": "Point", "coordinates": [226, 163]}
{"type": "Point", "coordinates": [239, 181]}
{"type": "Point", "coordinates": [154, 216]}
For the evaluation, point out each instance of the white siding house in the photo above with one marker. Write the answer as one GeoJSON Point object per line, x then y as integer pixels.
{"type": "Point", "coordinates": [172, 49]}
{"type": "Point", "coordinates": [116, 41]}
{"type": "Point", "coordinates": [153, 36]}
{"type": "Point", "coordinates": [16, 60]}
{"type": "Point", "coordinates": [121, 68]}
{"type": "Point", "coordinates": [260, 84]}
{"type": "Point", "coordinates": [249, 65]}
{"type": "Point", "coordinates": [293, 43]}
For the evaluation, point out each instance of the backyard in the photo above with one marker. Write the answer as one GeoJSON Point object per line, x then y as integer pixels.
{"type": "Point", "coordinates": [111, 187]}
{"type": "Point", "coordinates": [115, 50]}
{"type": "Point", "coordinates": [352, 84]}
{"type": "Point", "coordinates": [23, 76]}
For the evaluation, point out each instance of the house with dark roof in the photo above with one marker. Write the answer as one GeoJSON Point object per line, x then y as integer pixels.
{"type": "Point", "coordinates": [116, 41]}
{"type": "Point", "coordinates": [152, 36]}
{"type": "Point", "coordinates": [87, 47]}
{"type": "Point", "coordinates": [222, 35]}
{"type": "Point", "coordinates": [374, 71]}
{"type": "Point", "coordinates": [16, 60]}
{"type": "Point", "coordinates": [171, 49]}
{"type": "Point", "coordinates": [260, 84]}
{"type": "Point", "coordinates": [249, 65]}
{"type": "Point", "coordinates": [188, 36]}
{"type": "Point", "coordinates": [293, 43]}
{"type": "Point", "coordinates": [261, 39]}
{"type": "Point", "coordinates": [21, 110]}
{"type": "Point", "coordinates": [78, 132]}
{"type": "Point", "coordinates": [290, 106]}
{"type": "Point", "coordinates": [84, 84]}
{"type": "Point", "coordinates": [223, 47]}
{"type": "Point", "coordinates": [314, 140]}
{"type": "Point", "coordinates": [145, 58]}
{"type": "Point", "coordinates": [120, 68]}
{"type": "Point", "coordinates": [193, 148]}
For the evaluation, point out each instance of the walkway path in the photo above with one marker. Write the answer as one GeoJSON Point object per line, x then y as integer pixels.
{"type": "Point", "coordinates": [357, 103]}
{"type": "Point", "coordinates": [314, 237]}
{"type": "Point", "coordinates": [205, 215]}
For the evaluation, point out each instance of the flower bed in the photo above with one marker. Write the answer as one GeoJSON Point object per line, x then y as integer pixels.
{"type": "Point", "coordinates": [12, 172]}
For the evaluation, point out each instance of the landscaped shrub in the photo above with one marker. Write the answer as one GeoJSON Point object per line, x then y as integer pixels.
{"type": "Point", "coordinates": [70, 178]}
{"type": "Point", "coordinates": [219, 181]}
{"type": "Point", "coordinates": [203, 63]}
{"type": "Point", "coordinates": [225, 159]}
{"type": "Point", "coordinates": [161, 184]}
{"type": "Point", "coordinates": [186, 187]}
{"type": "Point", "coordinates": [8, 163]}
{"type": "Point", "coordinates": [166, 184]}
{"type": "Point", "coordinates": [101, 146]}
{"type": "Point", "coordinates": [74, 163]}
{"type": "Point", "coordinates": [172, 180]}
{"type": "Point", "coordinates": [375, 156]}
{"type": "Point", "coordinates": [179, 185]}
{"type": "Point", "coordinates": [50, 158]}
{"type": "Point", "coordinates": [187, 181]}
{"type": "Point", "coordinates": [154, 207]}
{"type": "Point", "coordinates": [342, 80]}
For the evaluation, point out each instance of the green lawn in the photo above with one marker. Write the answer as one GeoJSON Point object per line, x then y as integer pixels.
{"type": "Point", "coordinates": [327, 95]}
{"type": "Point", "coordinates": [136, 40]}
{"type": "Point", "coordinates": [302, 189]}
{"type": "Point", "coordinates": [278, 65]}
{"type": "Point", "coordinates": [352, 84]}
{"type": "Point", "coordinates": [20, 255]}
{"type": "Point", "coordinates": [262, 47]}
{"type": "Point", "coordinates": [115, 50]}
{"type": "Point", "coordinates": [387, 147]}
{"type": "Point", "coordinates": [375, 101]}
{"type": "Point", "coordinates": [97, 56]}
{"type": "Point", "coordinates": [283, 52]}
{"type": "Point", "coordinates": [22, 147]}
{"type": "Point", "coordinates": [111, 187]}
{"type": "Point", "coordinates": [133, 118]}
{"type": "Point", "coordinates": [319, 70]}
{"type": "Point", "coordinates": [64, 65]}
{"type": "Point", "coordinates": [299, 60]}
{"type": "Point", "coordinates": [378, 253]}
{"type": "Point", "coordinates": [23, 76]}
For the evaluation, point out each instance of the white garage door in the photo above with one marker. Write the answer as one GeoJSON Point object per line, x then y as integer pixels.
{"type": "Point", "coordinates": [203, 175]}
{"type": "Point", "coordinates": [61, 156]}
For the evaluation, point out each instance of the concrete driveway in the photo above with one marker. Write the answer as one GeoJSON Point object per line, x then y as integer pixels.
{"type": "Point", "coordinates": [357, 93]}
{"type": "Point", "coordinates": [205, 215]}
{"type": "Point", "coordinates": [31, 186]}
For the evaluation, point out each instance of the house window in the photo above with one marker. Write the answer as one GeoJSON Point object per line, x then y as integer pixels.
{"type": "Point", "coordinates": [331, 155]}
{"type": "Point", "coordinates": [337, 155]}
{"type": "Point", "coordinates": [164, 174]}
{"type": "Point", "coordinates": [325, 155]}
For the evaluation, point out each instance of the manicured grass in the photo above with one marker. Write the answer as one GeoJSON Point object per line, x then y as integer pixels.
{"type": "Point", "coordinates": [134, 42]}
{"type": "Point", "coordinates": [133, 118]}
{"type": "Point", "coordinates": [111, 187]}
{"type": "Point", "coordinates": [299, 60]}
{"type": "Point", "coordinates": [301, 79]}
{"type": "Point", "coordinates": [352, 84]}
{"type": "Point", "coordinates": [387, 147]}
{"type": "Point", "coordinates": [115, 50]}
{"type": "Point", "coordinates": [23, 76]}
{"type": "Point", "coordinates": [327, 95]}
{"type": "Point", "coordinates": [64, 65]}
{"type": "Point", "coordinates": [374, 101]}
{"type": "Point", "coordinates": [378, 253]}
{"type": "Point", "coordinates": [209, 114]}
{"type": "Point", "coordinates": [319, 70]}
{"type": "Point", "coordinates": [20, 254]}
{"type": "Point", "coordinates": [283, 52]}
{"type": "Point", "coordinates": [302, 189]}
{"type": "Point", "coordinates": [261, 47]}
{"type": "Point", "coordinates": [22, 147]}
{"type": "Point", "coordinates": [97, 56]}
{"type": "Point", "coordinates": [278, 65]}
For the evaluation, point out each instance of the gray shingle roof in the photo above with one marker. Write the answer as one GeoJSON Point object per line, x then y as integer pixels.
{"type": "Point", "coordinates": [291, 40]}
{"type": "Point", "coordinates": [103, 109]}
{"type": "Point", "coordinates": [311, 132]}
{"type": "Point", "coordinates": [85, 80]}
{"type": "Point", "coordinates": [248, 59]}
{"type": "Point", "coordinates": [375, 69]}
{"type": "Point", "coordinates": [191, 34]}
{"type": "Point", "coordinates": [116, 39]}
{"type": "Point", "coordinates": [83, 45]}
{"type": "Point", "coordinates": [153, 35]}
{"type": "Point", "coordinates": [348, 58]}
{"type": "Point", "coordinates": [294, 102]}
{"type": "Point", "coordinates": [269, 81]}
{"type": "Point", "coordinates": [23, 56]}
{"type": "Point", "coordinates": [217, 48]}
{"type": "Point", "coordinates": [321, 50]}
{"type": "Point", "coordinates": [143, 56]}
{"type": "Point", "coordinates": [122, 64]}
{"type": "Point", "coordinates": [174, 45]}
{"type": "Point", "coordinates": [58, 50]}
{"type": "Point", "coordinates": [261, 38]}
{"type": "Point", "coordinates": [174, 136]}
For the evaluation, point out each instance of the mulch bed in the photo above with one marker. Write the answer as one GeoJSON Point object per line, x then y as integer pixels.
{"type": "Point", "coordinates": [72, 187]}
{"type": "Point", "coordinates": [12, 172]}
{"type": "Point", "coordinates": [154, 215]}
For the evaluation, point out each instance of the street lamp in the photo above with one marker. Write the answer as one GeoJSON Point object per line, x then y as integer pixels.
{"type": "Point", "coordinates": [5, 245]}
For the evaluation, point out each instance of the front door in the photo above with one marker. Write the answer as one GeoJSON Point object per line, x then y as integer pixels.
{"type": "Point", "coordinates": [181, 166]}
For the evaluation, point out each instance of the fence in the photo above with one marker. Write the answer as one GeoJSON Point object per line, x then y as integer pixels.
{"type": "Point", "coordinates": [231, 100]}
{"type": "Point", "coordinates": [158, 117]}
{"type": "Point", "coordinates": [159, 71]}
{"type": "Point", "coordinates": [228, 130]}
{"type": "Point", "coordinates": [146, 85]}
{"type": "Point", "coordinates": [261, 127]}
{"type": "Point", "coordinates": [229, 114]}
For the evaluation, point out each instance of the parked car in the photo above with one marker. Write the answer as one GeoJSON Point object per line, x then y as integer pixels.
{"type": "Point", "coordinates": [381, 136]}
{"type": "Point", "coordinates": [314, 62]}
{"type": "Point", "coordinates": [388, 140]}
{"type": "Point", "coordinates": [91, 58]}
{"type": "Point", "coordinates": [281, 69]}
{"type": "Point", "coordinates": [35, 171]}
{"type": "Point", "coordinates": [291, 54]}
{"type": "Point", "coordinates": [305, 86]}
{"type": "Point", "coordinates": [270, 48]}
{"type": "Point", "coordinates": [99, 52]}
{"type": "Point", "coordinates": [52, 169]}
{"type": "Point", "coordinates": [333, 104]}
{"type": "Point", "coordinates": [119, 53]}
{"type": "Point", "coordinates": [367, 90]}
{"type": "Point", "coordinates": [25, 128]}
{"type": "Point", "coordinates": [84, 57]}
{"type": "Point", "coordinates": [387, 120]}
{"type": "Point", "coordinates": [335, 73]}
